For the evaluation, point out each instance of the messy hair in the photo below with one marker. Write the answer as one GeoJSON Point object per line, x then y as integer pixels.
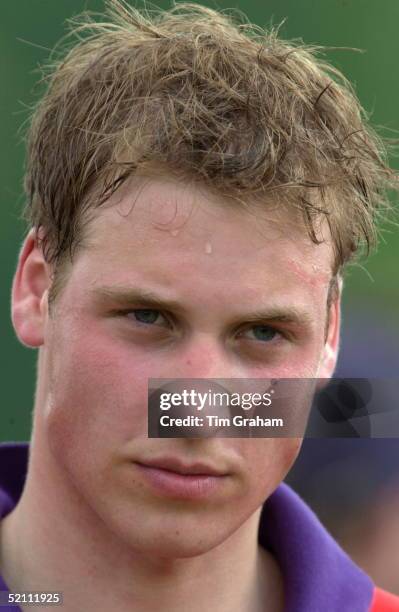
{"type": "Point", "coordinates": [212, 98]}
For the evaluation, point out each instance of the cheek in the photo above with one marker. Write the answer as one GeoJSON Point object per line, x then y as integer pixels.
{"type": "Point", "coordinates": [272, 458]}
{"type": "Point", "coordinates": [98, 393]}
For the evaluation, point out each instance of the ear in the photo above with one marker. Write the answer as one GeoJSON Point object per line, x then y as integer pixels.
{"type": "Point", "coordinates": [331, 346]}
{"type": "Point", "coordinates": [30, 288]}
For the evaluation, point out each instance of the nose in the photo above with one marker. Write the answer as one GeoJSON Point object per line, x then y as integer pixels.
{"type": "Point", "coordinates": [206, 357]}
{"type": "Point", "coordinates": [193, 408]}
{"type": "Point", "coordinates": [194, 368]}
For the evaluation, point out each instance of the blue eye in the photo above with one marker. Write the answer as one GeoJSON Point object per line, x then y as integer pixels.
{"type": "Point", "coordinates": [263, 333]}
{"type": "Point", "coordinates": [148, 316]}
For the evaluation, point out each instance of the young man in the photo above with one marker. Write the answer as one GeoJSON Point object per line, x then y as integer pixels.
{"type": "Point", "coordinates": [195, 189]}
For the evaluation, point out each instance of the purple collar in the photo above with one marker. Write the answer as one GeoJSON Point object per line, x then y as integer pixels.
{"type": "Point", "coordinates": [318, 575]}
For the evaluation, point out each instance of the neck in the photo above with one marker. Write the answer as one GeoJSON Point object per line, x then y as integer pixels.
{"type": "Point", "coordinates": [55, 542]}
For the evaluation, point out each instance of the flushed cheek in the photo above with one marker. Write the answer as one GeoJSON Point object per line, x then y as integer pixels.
{"type": "Point", "coordinates": [272, 459]}
{"type": "Point", "coordinates": [98, 398]}
{"type": "Point", "coordinates": [288, 450]}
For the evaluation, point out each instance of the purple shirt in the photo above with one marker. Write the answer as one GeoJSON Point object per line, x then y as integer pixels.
{"type": "Point", "coordinates": [318, 575]}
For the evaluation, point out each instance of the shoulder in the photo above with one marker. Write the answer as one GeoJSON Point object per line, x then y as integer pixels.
{"type": "Point", "coordinates": [384, 602]}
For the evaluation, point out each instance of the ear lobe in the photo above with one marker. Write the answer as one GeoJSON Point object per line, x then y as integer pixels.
{"type": "Point", "coordinates": [29, 304]}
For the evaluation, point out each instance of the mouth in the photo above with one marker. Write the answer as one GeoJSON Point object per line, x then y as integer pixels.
{"type": "Point", "coordinates": [173, 464]}
{"type": "Point", "coordinates": [173, 478]}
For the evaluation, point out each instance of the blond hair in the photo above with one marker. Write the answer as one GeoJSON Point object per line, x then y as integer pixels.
{"type": "Point", "coordinates": [214, 99]}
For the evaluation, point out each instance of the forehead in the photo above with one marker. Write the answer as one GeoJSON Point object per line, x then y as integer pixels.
{"type": "Point", "coordinates": [171, 228]}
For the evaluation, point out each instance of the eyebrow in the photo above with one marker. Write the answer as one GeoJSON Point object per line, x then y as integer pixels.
{"type": "Point", "coordinates": [129, 297]}
{"type": "Point", "coordinates": [126, 296]}
{"type": "Point", "coordinates": [280, 314]}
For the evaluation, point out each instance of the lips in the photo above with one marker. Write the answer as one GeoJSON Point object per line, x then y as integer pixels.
{"type": "Point", "coordinates": [178, 466]}
{"type": "Point", "coordinates": [171, 478]}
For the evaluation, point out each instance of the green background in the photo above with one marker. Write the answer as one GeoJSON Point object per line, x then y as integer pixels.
{"type": "Point", "coordinates": [365, 24]}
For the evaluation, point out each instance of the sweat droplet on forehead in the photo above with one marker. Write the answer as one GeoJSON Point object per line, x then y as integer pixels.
{"type": "Point", "coordinates": [208, 248]}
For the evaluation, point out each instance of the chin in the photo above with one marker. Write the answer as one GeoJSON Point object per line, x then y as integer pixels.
{"type": "Point", "coordinates": [177, 546]}
{"type": "Point", "coordinates": [165, 540]}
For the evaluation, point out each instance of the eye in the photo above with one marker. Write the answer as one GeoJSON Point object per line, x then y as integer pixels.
{"type": "Point", "coordinates": [261, 333]}
{"type": "Point", "coordinates": [147, 316]}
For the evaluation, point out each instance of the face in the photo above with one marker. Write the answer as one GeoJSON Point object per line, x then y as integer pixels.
{"type": "Point", "coordinates": [173, 283]}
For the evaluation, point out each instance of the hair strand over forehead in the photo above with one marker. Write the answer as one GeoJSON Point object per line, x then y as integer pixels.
{"type": "Point", "coordinates": [210, 97]}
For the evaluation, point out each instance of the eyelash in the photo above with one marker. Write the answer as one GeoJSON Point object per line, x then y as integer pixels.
{"type": "Point", "coordinates": [279, 334]}
{"type": "Point", "coordinates": [125, 313]}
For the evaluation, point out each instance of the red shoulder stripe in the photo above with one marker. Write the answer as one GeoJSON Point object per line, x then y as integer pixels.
{"type": "Point", "coordinates": [384, 602]}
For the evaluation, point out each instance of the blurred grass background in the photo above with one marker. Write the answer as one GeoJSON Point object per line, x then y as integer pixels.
{"type": "Point", "coordinates": [365, 24]}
